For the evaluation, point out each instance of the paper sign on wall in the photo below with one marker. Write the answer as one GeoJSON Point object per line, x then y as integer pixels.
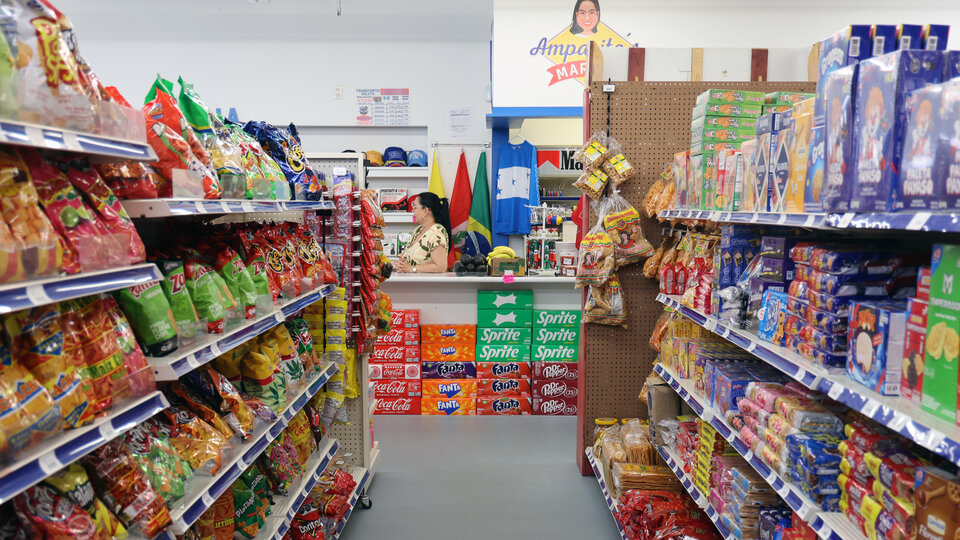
{"type": "Point", "coordinates": [383, 106]}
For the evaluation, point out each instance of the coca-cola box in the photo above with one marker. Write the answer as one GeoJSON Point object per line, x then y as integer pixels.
{"type": "Point", "coordinates": [551, 389]}
{"type": "Point", "coordinates": [390, 388]}
{"type": "Point", "coordinates": [556, 371]}
{"type": "Point", "coordinates": [560, 406]}
{"type": "Point", "coordinates": [384, 353]}
{"type": "Point", "coordinates": [503, 387]}
{"type": "Point", "coordinates": [395, 370]}
{"type": "Point", "coordinates": [512, 405]}
{"type": "Point", "coordinates": [405, 318]}
{"type": "Point", "coordinates": [398, 405]}
{"type": "Point", "coordinates": [503, 370]}
{"type": "Point", "coordinates": [400, 336]}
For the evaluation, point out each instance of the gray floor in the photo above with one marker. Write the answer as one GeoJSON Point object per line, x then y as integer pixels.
{"type": "Point", "coordinates": [480, 477]}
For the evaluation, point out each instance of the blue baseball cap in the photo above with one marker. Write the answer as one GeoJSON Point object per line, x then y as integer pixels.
{"type": "Point", "coordinates": [394, 156]}
{"type": "Point", "coordinates": [416, 158]}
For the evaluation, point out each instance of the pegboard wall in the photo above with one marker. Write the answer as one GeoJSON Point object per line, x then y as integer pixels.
{"type": "Point", "coordinates": [651, 121]}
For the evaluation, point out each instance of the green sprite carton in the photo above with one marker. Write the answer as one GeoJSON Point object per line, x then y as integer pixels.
{"type": "Point", "coordinates": [504, 299]}
{"type": "Point", "coordinates": [504, 318]}
{"type": "Point", "coordinates": [943, 334]}
{"type": "Point", "coordinates": [557, 318]}
{"type": "Point", "coordinates": [504, 336]}
{"type": "Point", "coordinates": [553, 352]}
{"type": "Point", "coordinates": [553, 335]}
{"type": "Point", "coordinates": [503, 353]}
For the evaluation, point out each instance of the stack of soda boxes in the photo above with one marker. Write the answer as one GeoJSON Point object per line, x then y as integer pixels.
{"type": "Point", "coordinates": [449, 369]}
{"type": "Point", "coordinates": [395, 366]}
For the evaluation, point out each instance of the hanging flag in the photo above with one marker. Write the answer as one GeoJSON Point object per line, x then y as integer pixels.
{"type": "Point", "coordinates": [459, 211]}
{"type": "Point", "coordinates": [478, 241]}
{"type": "Point", "coordinates": [436, 183]}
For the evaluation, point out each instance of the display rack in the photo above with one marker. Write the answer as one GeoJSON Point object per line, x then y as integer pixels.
{"type": "Point", "coordinates": [158, 208]}
{"type": "Point", "coordinates": [674, 463]}
{"type": "Point", "coordinates": [39, 292]}
{"type": "Point", "coordinates": [362, 477]}
{"type": "Point", "coordinates": [612, 502]}
{"type": "Point", "coordinates": [894, 221]}
{"type": "Point", "coordinates": [54, 138]}
{"type": "Point", "coordinates": [285, 507]}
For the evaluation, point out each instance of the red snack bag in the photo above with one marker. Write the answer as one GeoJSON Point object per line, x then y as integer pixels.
{"type": "Point", "coordinates": [100, 348]}
{"type": "Point", "coordinates": [255, 257]}
{"type": "Point", "coordinates": [306, 525]}
{"type": "Point", "coordinates": [163, 108]}
{"type": "Point", "coordinates": [174, 154]}
{"type": "Point", "coordinates": [140, 379]}
{"type": "Point", "coordinates": [286, 274]}
{"type": "Point", "coordinates": [54, 516]}
{"type": "Point", "coordinates": [303, 258]}
{"type": "Point", "coordinates": [128, 179]}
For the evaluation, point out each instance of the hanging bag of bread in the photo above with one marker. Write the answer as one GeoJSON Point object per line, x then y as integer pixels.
{"type": "Point", "coordinates": [622, 223]}
{"type": "Point", "coordinates": [604, 304]}
{"type": "Point", "coordinates": [596, 259]}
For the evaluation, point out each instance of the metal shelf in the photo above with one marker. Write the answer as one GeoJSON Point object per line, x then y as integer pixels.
{"type": "Point", "coordinates": [54, 138]}
{"type": "Point", "coordinates": [945, 222]}
{"type": "Point", "coordinates": [811, 221]}
{"type": "Point", "coordinates": [702, 500]}
{"type": "Point", "coordinates": [611, 502]}
{"type": "Point", "coordinates": [155, 208]}
{"type": "Point", "coordinates": [43, 291]}
{"type": "Point", "coordinates": [398, 217]}
{"type": "Point", "coordinates": [286, 507]}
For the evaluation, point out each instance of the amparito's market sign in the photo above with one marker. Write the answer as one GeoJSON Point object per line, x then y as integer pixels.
{"type": "Point", "coordinates": [568, 51]}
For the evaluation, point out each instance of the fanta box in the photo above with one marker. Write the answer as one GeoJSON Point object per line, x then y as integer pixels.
{"type": "Point", "coordinates": [444, 406]}
{"type": "Point", "coordinates": [503, 370]}
{"type": "Point", "coordinates": [406, 318]}
{"type": "Point", "coordinates": [503, 387]}
{"type": "Point", "coordinates": [398, 405]}
{"type": "Point", "coordinates": [448, 333]}
{"type": "Point", "coordinates": [390, 388]}
{"type": "Point", "coordinates": [448, 370]}
{"type": "Point", "coordinates": [447, 388]}
{"type": "Point", "coordinates": [448, 352]}
{"type": "Point", "coordinates": [384, 353]}
{"type": "Point", "coordinates": [513, 405]}
{"type": "Point", "coordinates": [555, 389]}
{"type": "Point", "coordinates": [400, 336]}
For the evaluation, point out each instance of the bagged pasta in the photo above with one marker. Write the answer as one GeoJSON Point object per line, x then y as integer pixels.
{"type": "Point", "coordinates": [152, 317]}
{"type": "Point", "coordinates": [594, 152]}
{"type": "Point", "coordinates": [73, 483]}
{"type": "Point", "coordinates": [592, 182]}
{"type": "Point", "coordinates": [596, 260]}
{"type": "Point", "coordinates": [622, 223]}
{"type": "Point", "coordinates": [618, 168]}
{"type": "Point", "coordinates": [604, 304]}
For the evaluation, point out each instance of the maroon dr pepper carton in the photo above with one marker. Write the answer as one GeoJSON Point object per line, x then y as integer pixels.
{"type": "Point", "coordinates": [556, 371]}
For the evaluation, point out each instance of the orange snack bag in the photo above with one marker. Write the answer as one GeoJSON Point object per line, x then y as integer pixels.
{"type": "Point", "coordinates": [41, 250]}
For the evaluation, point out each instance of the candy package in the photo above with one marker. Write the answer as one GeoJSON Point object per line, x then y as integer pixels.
{"type": "Point", "coordinates": [152, 317]}
{"type": "Point", "coordinates": [605, 305]}
{"type": "Point", "coordinates": [622, 223]}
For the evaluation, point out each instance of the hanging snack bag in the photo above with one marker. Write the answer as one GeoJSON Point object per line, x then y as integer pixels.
{"type": "Point", "coordinates": [592, 182]}
{"type": "Point", "coordinates": [237, 279]}
{"type": "Point", "coordinates": [30, 414]}
{"type": "Point", "coordinates": [73, 483]}
{"type": "Point", "coordinates": [622, 223]}
{"type": "Point", "coordinates": [619, 169]}
{"type": "Point", "coordinates": [203, 291]}
{"type": "Point", "coordinates": [649, 206]}
{"type": "Point", "coordinates": [49, 514]}
{"type": "Point", "coordinates": [594, 152]}
{"type": "Point", "coordinates": [152, 318]}
{"type": "Point", "coordinates": [174, 287]}
{"type": "Point", "coordinates": [605, 305]}
{"type": "Point", "coordinates": [40, 249]}
{"type": "Point", "coordinates": [596, 259]}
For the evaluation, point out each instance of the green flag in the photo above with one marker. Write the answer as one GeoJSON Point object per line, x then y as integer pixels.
{"type": "Point", "coordinates": [478, 240]}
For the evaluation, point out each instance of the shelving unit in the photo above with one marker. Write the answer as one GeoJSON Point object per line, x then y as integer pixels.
{"type": "Point", "coordinates": [54, 138]}
{"type": "Point", "coordinates": [43, 291]}
{"type": "Point", "coordinates": [946, 222]}
{"type": "Point", "coordinates": [285, 507]}
{"type": "Point", "coordinates": [362, 476]}
{"type": "Point", "coordinates": [674, 463]}
{"type": "Point", "coordinates": [612, 502]}
{"type": "Point", "coordinates": [398, 173]}
{"type": "Point", "coordinates": [158, 208]}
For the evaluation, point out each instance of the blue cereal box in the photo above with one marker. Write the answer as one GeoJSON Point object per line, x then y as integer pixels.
{"type": "Point", "coordinates": [772, 315]}
{"type": "Point", "coordinates": [875, 345]}
{"type": "Point", "coordinates": [916, 188]}
{"type": "Point", "coordinates": [935, 37]}
{"type": "Point", "coordinates": [951, 65]}
{"type": "Point", "coordinates": [947, 168]}
{"type": "Point", "coordinates": [879, 117]}
{"type": "Point", "coordinates": [883, 39]}
{"type": "Point", "coordinates": [847, 46]}
{"type": "Point", "coordinates": [839, 89]}
{"type": "Point", "coordinates": [909, 36]}
{"type": "Point", "coordinates": [813, 185]}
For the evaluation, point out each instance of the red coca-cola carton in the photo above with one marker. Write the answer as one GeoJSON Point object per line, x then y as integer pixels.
{"type": "Point", "coordinates": [552, 389]}
{"type": "Point", "coordinates": [400, 336]}
{"type": "Point", "coordinates": [512, 405]}
{"type": "Point", "coordinates": [503, 387]}
{"type": "Point", "coordinates": [390, 388]}
{"type": "Point", "coordinates": [395, 370]}
{"type": "Point", "coordinates": [503, 370]}
{"type": "Point", "coordinates": [556, 371]}
{"type": "Point", "coordinates": [405, 318]}
{"type": "Point", "coordinates": [384, 353]}
{"type": "Point", "coordinates": [559, 406]}
{"type": "Point", "coordinates": [398, 405]}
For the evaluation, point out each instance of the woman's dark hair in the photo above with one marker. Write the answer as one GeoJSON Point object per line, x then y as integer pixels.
{"type": "Point", "coordinates": [439, 208]}
{"type": "Point", "coordinates": [575, 28]}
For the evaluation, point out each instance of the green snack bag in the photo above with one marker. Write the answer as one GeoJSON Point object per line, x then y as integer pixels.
{"type": "Point", "coordinates": [250, 503]}
{"type": "Point", "coordinates": [205, 294]}
{"type": "Point", "coordinates": [9, 80]}
{"type": "Point", "coordinates": [174, 288]}
{"type": "Point", "coordinates": [227, 299]}
{"type": "Point", "coordinates": [194, 110]}
{"type": "Point", "coordinates": [162, 84]}
{"type": "Point", "coordinates": [238, 280]}
{"type": "Point", "coordinates": [151, 317]}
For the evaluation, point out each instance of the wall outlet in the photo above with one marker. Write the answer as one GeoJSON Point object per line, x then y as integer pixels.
{"type": "Point", "coordinates": [338, 92]}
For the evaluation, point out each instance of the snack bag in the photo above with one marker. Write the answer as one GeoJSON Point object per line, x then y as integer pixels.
{"type": "Point", "coordinates": [139, 380]}
{"type": "Point", "coordinates": [201, 455]}
{"type": "Point", "coordinates": [40, 249]}
{"type": "Point", "coordinates": [129, 179]}
{"type": "Point", "coordinates": [204, 293]}
{"type": "Point", "coordinates": [72, 482]}
{"type": "Point", "coordinates": [249, 503]}
{"type": "Point", "coordinates": [175, 159]}
{"type": "Point", "coordinates": [217, 391]}
{"type": "Point", "coordinates": [604, 304]}
{"type": "Point", "coordinates": [282, 264]}
{"type": "Point", "coordinates": [11, 264]}
{"type": "Point", "coordinates": [196, 114]}
{"type": "Point", "coordinates": [152, 317]}
{"type": "Point", "coordinates": [596, 261]}
{"type": "Point", "coordinates": [592, 182]}
{"type": "Point", "coordinates": [290, 363]}
{"type": "Point", "coordinates": [623, 226]}
{"type": "Point", "coordinates": [228, 160]}
{"type": "Point", "coordinates": [186, 398]}
{"type": "Point", "coordinates": [256, 262]}
{"type": "Point", "coordinates": [9, 77]}
{"type": "Point", "coordinates": [263, 379]}
{"type": "Point", "coordinates": [49, 514]}
{"type": "Point", "coordinates": [181, 305]}
{"type": "Point", "coordinates": [649, 204]}
{"type": "Point", "coordinates": [162, 465]}
{"type": "Point", "coordinates": [238, 279]}
{"type": "Point", "coordinates": [284, 462]}
{"type": "Point", "coordinates": [30, 414]}
{"type": "Point", "coordinates": [618, 168]}
{"type": "Point", "coordinates": [162, 107]}
{"type": "Point", "coordinates": [301, 436]}
{"type": "Point", "coordinates": [257, 184]}
{"type": "Point", "coordinates": [594, 152]}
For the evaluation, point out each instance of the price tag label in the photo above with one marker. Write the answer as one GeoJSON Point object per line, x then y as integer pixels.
{"type": "Point", "coordinates": [724, 216]}
{"type": "Point", "coordinates": [70, 141]}
{"type": "Point", "coordinates": [918, 221]}
{"type": "Point", "coordinates": [246, 206]}
{"type": "Point", "coordinates": [508, 276]}
{"type": "Point", "coordinates": [216, 349]}
{"type": "Point", "coordinates": [714, 216]}
{"type": "Point", "coordinates": [278, 316]}
{"type": "Point", "coordinates": [870, 408]}
{"type": "Point", "coordinates": [845, 220]}
{"type": "Point", "coordinates": [710, 324]}
{"type": "Point", "coordinates": [49, 463]}
{"type": "Point", "coordinates": [936, 438]}
{"type": "Point", "coordinates": [35, 135]}
{"type": "Point", "coordinates": [107, 431]}
{"type": "Point", "coordinates": [754, 218]}
{"type": "Point", "coordinates": [707, 415]}
{"type": "Point", "coordinates": [810, 220]}
{"type": "Point", "coordinates": [192, 361]}
{"type": "Point", "coordinates": [899, 421]}
{"type": "Point", "coordinates": [224, 207]}
{"type": "Point", "coordinates": [201, 209]}
{"type": "Point", "coordinates": [37, 295]}
{"type": "Point", "coordinates": [207, 499]}
{"type": "Point", "coordinates": [749, 455]}
{"type": "Point", "coordinates": [835, 391]}
{"type": "Point", "coordinates": [782, 219]}
{"type": "Point", "coordinates": [751, 346]}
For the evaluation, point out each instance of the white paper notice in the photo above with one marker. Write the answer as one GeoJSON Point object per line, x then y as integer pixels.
{"type": "Point", "coordinates": [460, 120]}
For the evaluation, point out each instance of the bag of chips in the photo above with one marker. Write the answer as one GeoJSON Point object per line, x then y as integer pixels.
{"type": "Point", "coordinates": [237, 278]}
{"type": "Point", "coordinates": [648, 206]}
{"type": "Point", "coordinates": [181, 305]}
{"type": "Point", "coordinates": [49, 514]}
{"type": "Point", "coordinates": [223, 396]}
{"type": "Point", "coordinates": [164, 467]}
{"type": "Point", "coordinates": [204, 293]}
{"type": "Point", "coordinates": [152, 317]}
{"type": "Point", "coordinates": [604, 304]}
{"type": "Point", "coordinates": [250, 503]}
{"type": "Point", "coordinates": [30, 413]}
{"type": "Point", "coordinates": [306, 524]}
{"type": "Point", "coordinates": [204, 456]}
{"type": "Point", "coordinates": [255, 260]}
{"type": "Point", "coordinates": [596, 260]}
{"type": "Point", "coordinates": [197, 115]}
{"type": "Point", "coordinates": [72, 482]}
{"type": "Point", "coordinates": [128, 179]}
{"type": "Point", "coordinates": [289, 359]}
{"type": "Point", "coordinates": [140, 380]}
{"type": "Point", "coordinates": [186, 398]}
{"type": "Point", "coordinates": [284, 461]}
{"type": "Point", "coordinates": [9, 77]}
{"type": "Point", "coordinates": [262, 377]}
{"type": "Point", "coordinates": [162, 107]}
{"type": "Point", "coordinates": [622, 223]}
{"type": "Point", "coordinates": [287, 281]}
{"type": "Point", "coordinates": [300, 435]}
{"type": "Point", "coordinates": [40, 249]}
{"type": "Point", "coordinates": [261, 413]}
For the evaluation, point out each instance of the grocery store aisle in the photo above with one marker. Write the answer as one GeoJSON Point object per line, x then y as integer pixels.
{"type": "Point", "coordinates": [480, 477]}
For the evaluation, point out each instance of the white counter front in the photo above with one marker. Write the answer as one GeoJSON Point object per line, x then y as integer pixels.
{"type": "Point", "coordinates": [448, 299]}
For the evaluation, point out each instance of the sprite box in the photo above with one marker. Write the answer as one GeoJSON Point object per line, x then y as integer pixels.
{"type": "Point", "coordinates": [553, 335]}
{"type": "Point", "coordinates": [553, 352]}
{"type": "Point", "coordinates": [943, 334]}
{"type": "Point", "coordinates": [504, 336]}
{"type": "Point", "coordinates": [504, 299]}
{"type": "Point", "coordinates": [504, 318]}
{"type": "Point", "coordinates": [503, 353]}
{"type": "Point", "coordinates": [557, 318]}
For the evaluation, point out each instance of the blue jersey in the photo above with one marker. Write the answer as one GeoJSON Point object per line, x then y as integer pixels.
{"type": "Point", "coordinates": [517, 187]}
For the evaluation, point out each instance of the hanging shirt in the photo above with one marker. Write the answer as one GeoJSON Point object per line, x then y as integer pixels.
{"type": "Point", "coordinates": [517, 187]}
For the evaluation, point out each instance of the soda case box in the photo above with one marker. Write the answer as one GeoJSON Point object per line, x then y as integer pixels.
{"type": "Point", "coordinates": [504, 370]}
{"type": "Point", "coordinates": [555, 406]}
{"type": "Point", "coordinates": [726, 109]}
{"type": "Point", "coordinates": [748, 155]}
{"type": "Point", "coordinates": [398, 406]}
{"type": "Point", "coordinates": [504, 406]}
{"type": "Point", "coordinates": [883, 39]}
{"type": "Point", "coordinates": [909, 36]}
{"type": "Point", "coordinates": [505, 299]}
{"type": "Point", "coordinates": [385, 354]}
{"type": "Point", "coordinates": [798, 143]}
{"type": "Point", "coordinates": [935, 37]}
{"type": "Point", "coordinates": [680, 175]}
{"type": "Point", "coordinates": [840, 160]}
{"type": "Point", "coordinates": [448, 407]}
{"type": "Point", "coordinates": [725, 122]}
{"type": "Point", "coordinates": [449, 370]}
{"type": "Point", "coordinates": [390, 388]}
{"type": "Point", "coordinates": [943, 334]}
{"type": "Point", "coordinates": [556, 318]}
{"type": "Point", "coordinates": [553, 352]}
{"type": "Point", "coordinates": [721, 96]}
{"type": "Point", "coordinates": [879, 117]}
{"type": "Point", "coordinates": [813, 185]}
{"type": "Point", "coordinates": [405, 318]}
{"type": "Point", "coordinates": [946, 172]}
{"type": "Point", "coordinates": [568, 336]}
{"type": "Point", "coordinates": [400, 336]}
{"type": "Point", "coordinates": [504, 318]}
{"type": "Point", "coordinates": [448, 333]}
{"type": "Point", "coordinates": [555, 389]}
{"type": "Point", "coordinates": [847, 46]}
{"type": "Point", "coordinates": [556, 371]}
{"type": "Point", "coordinates": [917, 188]}
{"type": "Point", "coordinates": [446, 388]}
{"type": "Point", "coordinates": [502, 353]}
{"type": "Point", "coordinates": [911, 381]}
{"type": "Point", "coordinates": [395, 371]}
{"type": "Point", "coordinates": [875, 345]}
{"type": "Point", "coordinates": [448, 352]}
{"type": "Point", "coordinates": [504, 336]}
{"type": "Point", "coordinates": [503, 387]}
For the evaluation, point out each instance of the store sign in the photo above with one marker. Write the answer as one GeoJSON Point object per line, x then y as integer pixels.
{"type": "Point", "coordinates": [562, 160]}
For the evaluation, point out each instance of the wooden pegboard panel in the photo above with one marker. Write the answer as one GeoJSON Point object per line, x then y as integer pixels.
{"type": "Point", "coordinates": [651, 121]}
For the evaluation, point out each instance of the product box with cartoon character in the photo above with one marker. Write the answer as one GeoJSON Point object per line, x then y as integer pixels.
{"type": "Point", "coordinates": [879, 116]}
{"type": "Point", "coordinates": [839, 159]}
{"type": "Point", "coordinates": [715, 96]}
{"type": "Point", "coordinates": [748, 157]}
{"type": "Point", "coordinates": [951, 65]}
{"type": "Point", "coordinates": [943, 334]}
{"type": "Point", "coordinates": [725, 122]}
{"type": "Point", "coordinates": [813, 184]}
{"type": "Point", "coordinates": [780, 162]}
{"type": "Point", "coordinates": [883, 39]}
{"type": "Point", "coordinates": [911, 381]}
{"type": "Point", "coordinates": [916, 188]}
{"type": "Point", "coordinates": [771, 315]}
{"type": "Point", "coordinates": [798, 144]}
{"type": "Point", "coordinates": [909, 36]}
{"type": "Point", "coordinates": [946, 173]}
{"type": "Point", "coordinates": [847, 46]}
{"type": "Point", "coordinates": [875, 345]}
{"type": "Point", "coordinates": [718, 134]}
{"type": "Point", "coordinates": [703, 147]}
{"type": "Point", "coordinates": [725, 109]}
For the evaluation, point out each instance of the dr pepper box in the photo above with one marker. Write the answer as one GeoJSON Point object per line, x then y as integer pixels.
{"type": "Point", "coordinates": [449, 370]}
{"type": "Point", "coordinates": [561, 406]}
{"type": "Point", "coordinates": [448, 352]}
{"type": "Point", "coordinates": [447, 388]}
{"type": "Point", "coordinates": [503, 370]}
{"type": "Point", "coordinates": [503, 387]}
{"type": "Point", "coordinates": [384, 353]}
{"type": "Point", "coordinates": [448, 333]}
{"type": "Point", "coordinates": [407, 318]}
{"type": "Point", "coordinates": [513, 405]}
{"type": "Point", "coordinates": [398, 405]}
{"type": "Point", "coordinates": [395, 371]}
{"type": "Point", "coordinates": [447, 407]}
{"type": "Point", "coordinates": [397, 388]}
{"type": "Point", "coordinates": [400, 336]}
{"type": "Point", "coordinates": [554, 389]}
{"type": "Point", "coordinates": [556, 371]}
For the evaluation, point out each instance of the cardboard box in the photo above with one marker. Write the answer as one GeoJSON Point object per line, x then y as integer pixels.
{"type": "Point", "coordinates": [504, 336]}
{"type": "Point", "coordinates": [839, 159]}
{"type": "Point", "coordinates": [405, 318]}
{"type": "Point", "coordinates": [568, 336]}
{"type": "Point", "coordinates": [448, 407]}
{"type": "Point", "coordinates": [909, 36]}
{"type": "Point", "coordinates": [555, 352]}
{"type": "Point", "coordinates": [555, 389]}
{"type": "Point", "coordinates": [449, 389]}
{"type": "Point", "coordinates": [503, 387]}
{"type": "Point", "coordinates": [883, 39]}
{"type": "Point", "coordinates": [726, 109]}
{"type": "Point", "coordinates": [936, 510]}
{"type": "Point", "coordinates": [514, 405]}
{"type": "Point", "coordinates": [721, 96]}
{"type": "Point", "coordinates": [448, 333]}
{"type": "Point", "coordinates": [951, 65]}
{"type": "Point", "coordinates": [398, 405]}
{"type": "Point", "coordinates": [847, 46]}
{"type": "Point", "coordinates": [504, 370]}
{"type": "Point", "coordinates": [748, 157]}
{"type": "Point", "coordinates": [555, 406]}
{"type": "Point", "coordinates": [385, 354]}
{"type": "Point", "coordinates": [400, 336]}
{"type": "Point", "coordinates": [448, 352]}
{"type": "Point", "coordinates": [946, 171]}
{"type": "Point", "coordinates": [510, 299]}
{"type": "Point", "coordinates": [504, 318]}
{"type": "Point", "coordinates": [940, 372]}
{"type": "Point", "coordinates": [875, 345]}
{"type": "Point", "coordinates": [911, 383]}
{"type": "Point", "coordinates": [499, 267]}
{"type": "Point", "coordinates": [395, 371]}
{"type": "Point", "coordinates": [502, 353]}
{"type": "Point", "coordinates": [798, 143]}
{"type": "Point", "coordinates": [556, 318]}
{"type": "Point", "coordinates": [391, 388]}
{"type": "Point", "coordinates": [917, 187]}
{"type": "Point", "coordinates": [813, 185]}
{"type": "Point", "coordinates": [663, 403]}
{"type": "Point", "coordinates": [449, 370]}
{"type": "Point", "coordinates": [935, 37]}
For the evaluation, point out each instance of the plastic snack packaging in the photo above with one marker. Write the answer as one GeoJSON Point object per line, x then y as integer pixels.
{"type": "Point", "coordinates": [594, 152]}
{"type": "Point", "coordinates": [201, 455]}
{"type": "Point", "coordinates": [89, 330]}
{"type": "Point", "coordinates": [284, 462]}
{"type": "Point", "coordinates": [618, 168]}
{"type": "Point", "coordinates": [183, 397]}
{"type": "Point", "coordinates": [290, 363]}
{"type": "Point", "coordinates": [649, 204]}
{"type": "Point", "coordinates": [621, 221]}
{"type": "Point", "coordinates": [204, 293]}
{"type": "Point", "coordinates": [152, 317]}
{"type": "Point", "coordinates": [255, 259]}
{"type": "Point", "coordinates": [237, 278]}
{"type": "Point", "coordinates": [40, 250]}
{"type": "Point", "coordinates": [250, 503]}
{"type": "Point", "coordinates": [32, 414]}
{"type": "Point", "coordinates": [139, 379]}
{"type": "Point", "coordinates": [604, 304]}
{"type": "Point", "coordinates": [596, 261]}
{"type": "Point", "coordinates": [158, 460]}
{"type": "Point", "coordinates": [196, 114]}
{"type": "Point", "coordinates": [162, 107]}
{"type": "Point", "coordinates": [129, 179]}
{"type": "Point", "coordinates": [261, 413]}
{"type": "Point", "coordinates": [223, 396]}
{"type": "Point", "coordinates": [262, 377]}
{"type": "Point", "coordinates": [592, 182]}
{"type": "Point", "coordinates": [174, 288]}
{"type": "Point", "coordinates": [50, 514]}
{"type": "Point", "coordinates": [9, 77]}
{"type": "Point", "coordinates": [72, 482]}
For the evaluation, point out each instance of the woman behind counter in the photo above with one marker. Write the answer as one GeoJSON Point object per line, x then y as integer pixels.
{"type": "Point", "coordinates": [427, 250]}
